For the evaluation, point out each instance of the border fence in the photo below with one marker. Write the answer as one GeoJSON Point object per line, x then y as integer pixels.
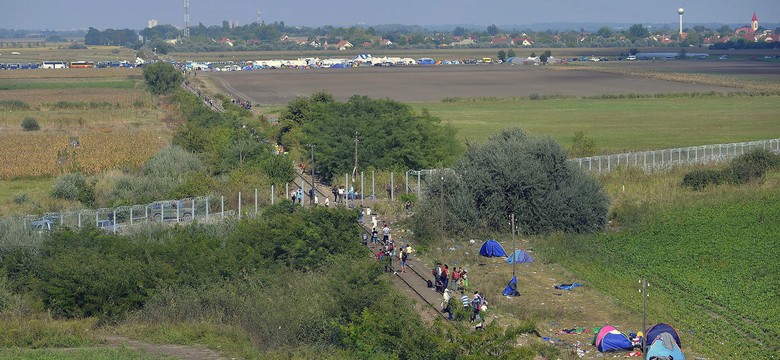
{"type": "Point", "coordinates": [360, 190]}
{"type": "Point", "coordinates": [655, 160]}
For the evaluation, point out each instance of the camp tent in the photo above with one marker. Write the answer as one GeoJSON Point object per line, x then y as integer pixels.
{"type": "Point", "coordinates": [492, 248]}
{"type": "Point", "coordinates": [511, 288]}
{"type": "Point", "coordinates": [655, 330]}
{"type": "Point", "coordinates": [611, 339]}
{"type": "Point", "coordinates": [519, 256]}
{"type": "Point", "coordinates": [664, 346]}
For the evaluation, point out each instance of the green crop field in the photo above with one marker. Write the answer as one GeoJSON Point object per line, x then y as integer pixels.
{"type": "Point", "coordinates": [711, 263]}
{"type": "Point", "coordinates": [619, 125]}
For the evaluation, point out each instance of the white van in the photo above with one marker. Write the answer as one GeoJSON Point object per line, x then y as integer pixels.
{"type": "Point", "coordinates": [631, 57]}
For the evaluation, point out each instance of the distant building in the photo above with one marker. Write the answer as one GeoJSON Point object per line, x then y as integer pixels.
{"type": "Point", "coordinates": [152, 23]}
{"type": "Point", "coordinates": [749, 33]}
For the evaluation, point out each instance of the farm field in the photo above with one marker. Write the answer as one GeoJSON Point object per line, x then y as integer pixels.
{"type": "Point", "coordinates": [483, 99]}
{"type": "Point", "coordinates": [434, 83]}
{"type": "Point", "coordinates": [619, 125]}
{"type": "Point", "coordinates": [61, 52]}
{"type": "Point", "coordinates": [89, 120]}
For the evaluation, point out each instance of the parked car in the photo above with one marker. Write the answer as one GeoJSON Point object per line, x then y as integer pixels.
{"type": "Point", "coordinates": [723, 57]}
{"type": "Point", "coordinates": [631, 57]}
{"type": "Point", "coordinates": [109, 226]}
{"type": "Point", "coordinates": [43, 225]}
{"type": "Point", "coordinates": [171, 210]}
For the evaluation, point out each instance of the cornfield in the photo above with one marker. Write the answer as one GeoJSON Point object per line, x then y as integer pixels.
{"type": "Point", "coordinates": [49, 154]}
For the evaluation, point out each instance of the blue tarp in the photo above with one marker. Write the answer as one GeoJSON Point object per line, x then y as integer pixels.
{"type": "Point", "coordinates": [511, 289]}
{"type": "Point", "coordinates": [521, 256]}
{"type": "Point", "coordinates": [492, 248]}
{"type": "Point", "coordinates": [569, 287]}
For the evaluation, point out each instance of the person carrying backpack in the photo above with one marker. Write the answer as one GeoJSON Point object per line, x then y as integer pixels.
{"type": "Point", "coordinates": [404, 257]}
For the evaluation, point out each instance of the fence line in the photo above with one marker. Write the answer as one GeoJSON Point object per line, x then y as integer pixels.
{"type": "Point", "coordinates": [655, 160]}
{"type": "Point", "coordinates": [215, 208]}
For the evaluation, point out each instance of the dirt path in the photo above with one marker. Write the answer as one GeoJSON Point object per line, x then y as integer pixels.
{"type": "Point", "coordinates": [183, 352]}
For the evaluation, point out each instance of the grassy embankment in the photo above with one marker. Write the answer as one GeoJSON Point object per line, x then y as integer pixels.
{"type": "Point", "coordinates": [709, 257]}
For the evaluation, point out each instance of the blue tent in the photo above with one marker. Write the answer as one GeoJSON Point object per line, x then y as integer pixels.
{"type": "Point", "coordinates": [511, 288]}
{"type": "Point", "coordinates": [611, 339]}
{"type": "Point", "coordinates": [521, 256]}
{"type": "Point", "coordinates": [665, 347]}
{"type": "Point", "coordinates": [657, 329]}
{"type": "Point", "coordinates": [492, 248]}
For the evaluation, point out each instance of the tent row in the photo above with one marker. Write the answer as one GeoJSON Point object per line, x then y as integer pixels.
{"type": "Point", "coordinates": [663, 342]}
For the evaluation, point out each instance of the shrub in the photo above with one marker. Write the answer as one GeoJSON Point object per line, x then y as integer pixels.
{"type": "Point", "coordinates": [14, 105]}
{"type": "Point", "coordinates": [751, 166]}
{"type": "Point", "coordinates": [20, 198]}
{"type": "Point", "coordinates": [30, 124]}
{"type": "Point", "coordinates": [700, 179]}
{"type": "Point", "coordinates": [74, 186]}
{"type": "Point", "coordinates": [513, 172]}
{"type": "Point", "coordinates": [162, 78]}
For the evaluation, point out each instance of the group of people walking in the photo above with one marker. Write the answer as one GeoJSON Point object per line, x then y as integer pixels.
{"type": "Point", "coordinates": [387, 250]}
{"type": "Point", "coordinates": [457, 279]}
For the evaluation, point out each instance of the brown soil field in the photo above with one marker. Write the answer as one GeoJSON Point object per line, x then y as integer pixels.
{"type": "Point", "coordinates": [433, 83]}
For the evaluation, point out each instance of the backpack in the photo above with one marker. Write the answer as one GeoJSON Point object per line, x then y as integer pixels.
{"type": "Point", "coordinates": [430, 284]}
{"type": "Point", "coordinates": [404, 256]}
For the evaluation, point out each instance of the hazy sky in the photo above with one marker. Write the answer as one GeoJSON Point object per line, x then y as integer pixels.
{"type": "Point", "coordinates": [119, 14]}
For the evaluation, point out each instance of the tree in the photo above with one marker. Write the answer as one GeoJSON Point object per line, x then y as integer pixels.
{"type": "Point", "coordinates": [510, 53]}
{"type": "Point", "coordinates": [582, 146]}
{"type": "Point", "coordinates": [492, 30]}
{"type": "Point", "coordinates": [513, 172]}
{"type": "Point", "coordinates": [459, 31]}
{"type": "Point", "coordinates": [162, 78]}
{"type": "Point", "coordinates": [605, 32]}
{"type": "Point", "coordinates": [638, 31]}
{"type": "Point", "coordinates": [399, 137]}
{"type": "Point", "coordinates": [501, 55]}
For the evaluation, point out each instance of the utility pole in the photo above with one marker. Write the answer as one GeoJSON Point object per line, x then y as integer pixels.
{"type": "Point", "coordinates": [441, 205]}
{"type": "Point", "coordinates": [354, 171]}
{"type": "Point", "coordinates": [644, 315]}
{"type": "Point", "coordinates": [514, 245]}
{"type": "Point", "coordinates": [186, 19]}
{"type": "Point", "coordinates": [313, 182]}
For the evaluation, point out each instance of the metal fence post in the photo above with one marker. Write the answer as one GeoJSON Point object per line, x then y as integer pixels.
{"type": "Point", "coordinates": [239, 205]}
{"type": "Point", "coordinates": [255, 201]}
{"type": "Point", "coordinates": [79, 220]}
{"type": "Point", "coordinates": [407, 182]}
{"type": "Point", "coordinates": [418, 184]}
{"type": "Point", "coordinates": [131, 216]}
{"type": "Point", "coordinates": [207, 208]}
{"type": "Point", "coordinates": [222, 207]}
{"type": "Point", "coordinates": [114, 221]}
{"type": "Point", "coordinates": [272, 194]}
{"type": "Point", "coordinates": [362, 194]}
{"type": "Point", "coordinates": [392, 186]}
{"type": "Point", "coordinates": [373, 185]}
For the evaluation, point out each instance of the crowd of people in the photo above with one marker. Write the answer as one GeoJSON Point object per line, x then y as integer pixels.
{"type": "Point", "coordinates": [443, 278]}
{"type": "Point", "coordinates": [244, 104]}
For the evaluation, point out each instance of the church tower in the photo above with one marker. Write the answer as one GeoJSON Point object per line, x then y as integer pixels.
{"type": "Point", "coordinates": [754, 22]}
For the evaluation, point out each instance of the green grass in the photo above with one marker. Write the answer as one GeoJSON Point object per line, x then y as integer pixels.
{"type": "Point", "coordinates": [19, 196]}
{"type": "Point", "coordinates": [76, 354]}
{"type": "Point", "coordinates": [710, 259]}
{"type": "Point", "coordinates": [29, 85]}
{"type": "Point", "coordinates": [619, 125]}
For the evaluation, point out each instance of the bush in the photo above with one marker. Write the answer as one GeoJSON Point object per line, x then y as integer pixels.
{"type": "Point", "coordinates": [700, 179]}
{"type": "Point", "coordinates": [751, 166]}
{"type": "Point", "coordinates": [513, 172]}
{"type": "Point", "coordinates": [30, 124]}
{"type": "Point", "coordinates": [74, 186]}
{"type": "Point", "coordinates": [21, 198]}
{"type": "Point", "coordinates": [162, 78]}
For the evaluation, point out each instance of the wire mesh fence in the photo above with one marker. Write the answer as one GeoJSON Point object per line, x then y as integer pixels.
{"type": "Point", "coordinates": [655, 160]}
{"type": "Point", "coordinates": [357, 190]}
